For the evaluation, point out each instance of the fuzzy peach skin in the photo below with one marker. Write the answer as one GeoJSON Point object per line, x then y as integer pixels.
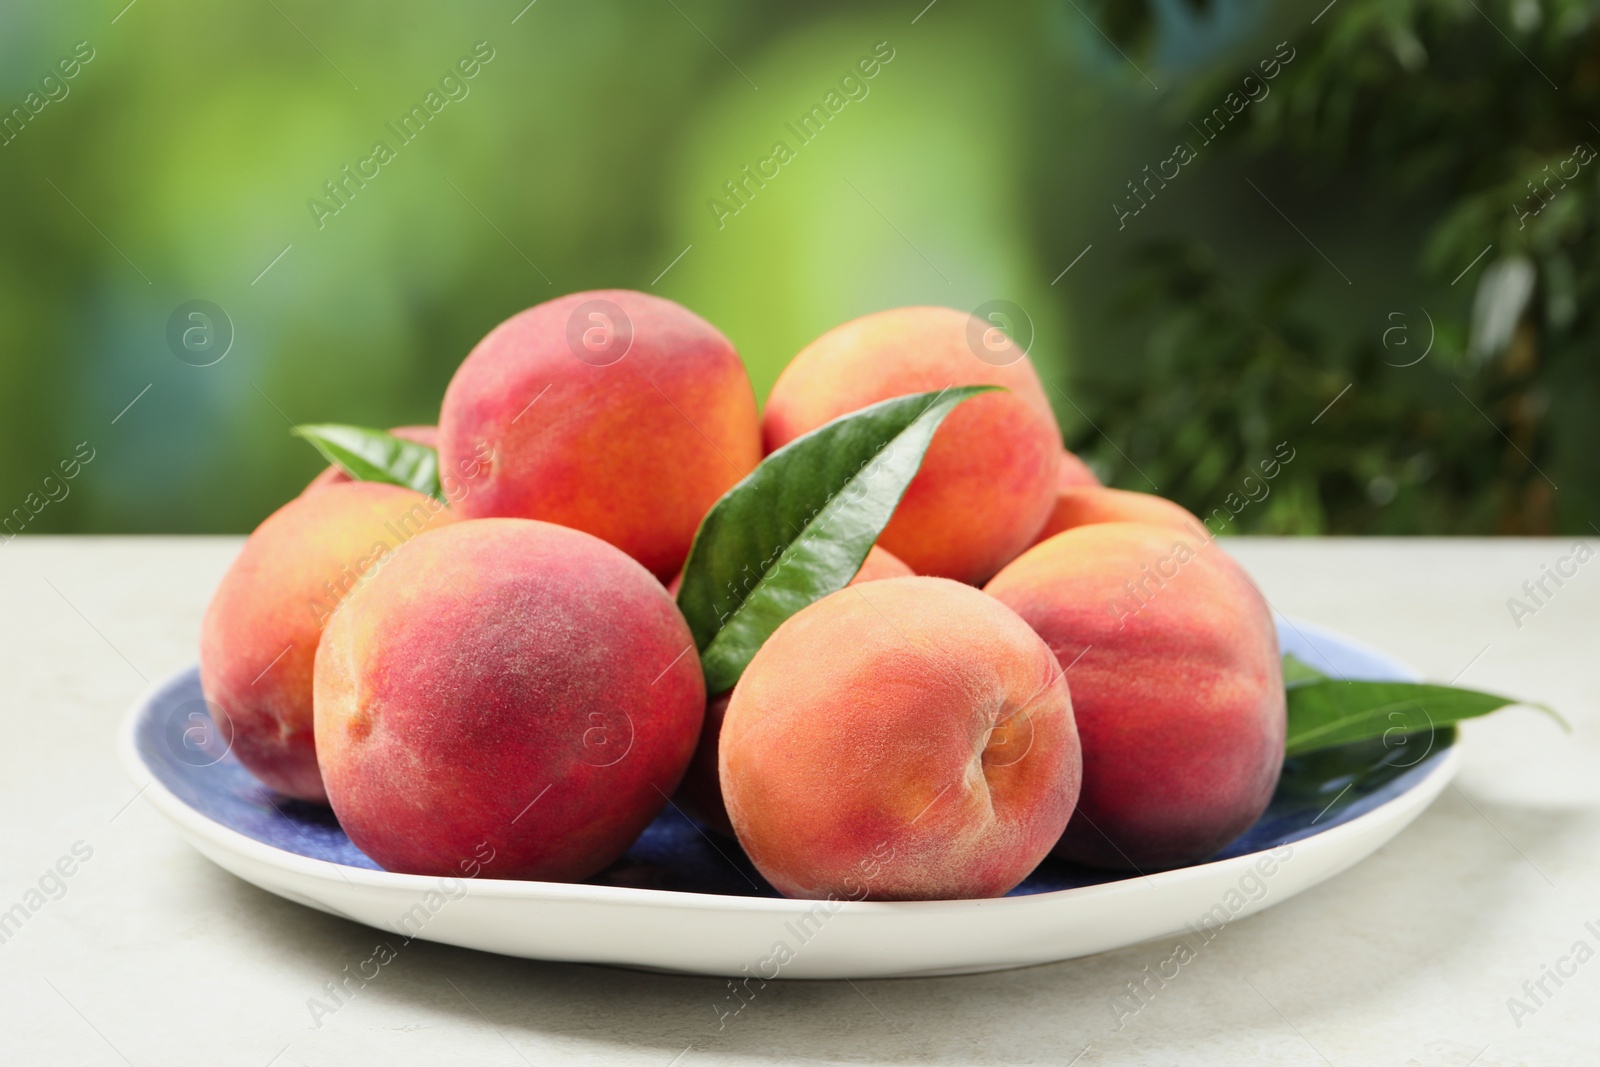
{"type": "Point", "coordinates": [634, 452]}
{"type": "Point", "coordinates": [905, 739]}
{"type": "Point", "coordinates": [701, 794]}
{"type": "Point", "coordinates": [511, 685]}
{"type": "Point", "coordinates": [1082, 505]}
{"type": "Point", "coordinates": [259, 638]}
{"type": "Point", "coordinates": [422, 435]}
{"type": "Point", "coordinates": [1173, 661]}
{"type": "Point", "coordinates": [1074, 473]}
{"type": "Point", "coordinates": [880, 564]}
{"type": "Point", "coordinates": [987, 481]}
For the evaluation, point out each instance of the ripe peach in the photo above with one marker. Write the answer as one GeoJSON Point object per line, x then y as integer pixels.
{"type": "Point", "coordinates": [259, 638]}
{"type": "Point", "coordinates": [422, 435]}
{"type": "Point", "coordinates": [906, 739]}
{"type": "Point", "coordinates": [1173, 661]}
{"type": "Point", "coordinates": [1081, 505]}
{"type": "Point", "coordinates": [986, 483]}
{"type": "Point", "coordinates": [1074, 472]}
{"type": "Point", "coordinates": [880, 564]}
{"type": "Point", "coordinates": [616, 413]}
{"type": "Point", "coordinates": [701, 794]}
{"type": "Point", "coordinates": [511, 685]}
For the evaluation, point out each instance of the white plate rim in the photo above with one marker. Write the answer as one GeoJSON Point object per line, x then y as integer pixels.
{"type": "Point", "coordinates": [229, 840]}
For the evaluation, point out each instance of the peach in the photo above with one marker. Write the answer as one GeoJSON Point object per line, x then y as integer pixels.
{"type": "Point", "coordinates": [701, 794]}
{"type": "Point", "coordinates": [422, 435]}
{"type": "Point", "coordinates": [880, 564]}
{"type": "Point", "coordinates": [509, 687]}
{"type": "Point", "coordinates": [1173, 661]}
{"type": "Point", "coordinates": [987, 481]}
{"type": "Point", "coordinates": [1074, 472]}
{"type": "Point", "coordinates": [616, 413]}
{"type": "Point", "coordinates": [259, 639]}
{"type": "Point", "coordinates": [906, 739]}
{"type": "Point", "coordinates": [1081, 505]}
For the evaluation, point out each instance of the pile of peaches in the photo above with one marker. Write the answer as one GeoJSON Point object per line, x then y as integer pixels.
{"type": "Point", "coordinates": [990, 660]}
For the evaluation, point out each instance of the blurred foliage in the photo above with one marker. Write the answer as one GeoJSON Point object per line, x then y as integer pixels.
{"type": "Point", "coordinates": [1474, 123]}
{"type": "Point", "coordinates": [179, 161]}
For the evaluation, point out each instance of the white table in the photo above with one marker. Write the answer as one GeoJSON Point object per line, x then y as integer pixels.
{"type": "Point", "coordinates": [154, 957]}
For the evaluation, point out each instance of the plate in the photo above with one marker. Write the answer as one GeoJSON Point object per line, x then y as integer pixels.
{"type": "Point", "coordinates": [684, 901]}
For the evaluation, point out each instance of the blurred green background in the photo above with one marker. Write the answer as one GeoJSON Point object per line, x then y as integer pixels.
{"type": "Point", "coordinates": [1380, 258]}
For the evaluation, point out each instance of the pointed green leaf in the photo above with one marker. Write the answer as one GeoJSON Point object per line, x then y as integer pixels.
{"type": "Point", "coordinates": [1297, 671]}
{"type": "Point", "coordinates": [375, 456]}
{"type": "Point", "coordinates": [1334, 712]}
{"type": "Point", "coordinates": [800, 525]}
{"type": "Point", "coordinates": [1322, 783]}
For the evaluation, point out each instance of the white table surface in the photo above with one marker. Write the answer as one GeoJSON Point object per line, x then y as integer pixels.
{"type": "Point", "coordinates": [155, 957]}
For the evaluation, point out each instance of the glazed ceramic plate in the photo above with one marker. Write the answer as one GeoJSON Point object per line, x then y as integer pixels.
{"type": "Point", "coordinates": [685, 901]}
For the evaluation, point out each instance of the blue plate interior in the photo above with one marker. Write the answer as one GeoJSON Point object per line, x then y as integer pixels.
{"type": "Point", "coordinates": [1318, 791]}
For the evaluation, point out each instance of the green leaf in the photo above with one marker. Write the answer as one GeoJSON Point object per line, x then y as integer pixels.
{"type": "Point", "coordinates": [1333, 712]}
{"type": "Point", "coordinates": [800, 525]}
{"type": "Point", "coordinates": [1322, 783]}
{"type": "Point", "coordinates": [375, 456]}
{"type": "Point", "coordinates": [1297, 671]}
